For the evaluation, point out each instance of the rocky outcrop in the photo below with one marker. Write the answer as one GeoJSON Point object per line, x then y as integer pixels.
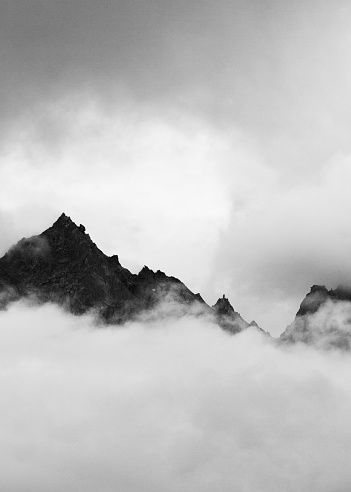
{"type": "Point", "coordinates": [317, 296]}
{"type": "Point", "coordinates": [63, 265]}
{"type": "Point", "coordinates": [323, 319]}
{"type": "Point", "coordinates": [227, 317]}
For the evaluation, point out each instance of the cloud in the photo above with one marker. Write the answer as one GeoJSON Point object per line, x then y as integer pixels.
{"type": "Point", "coordinates": [328, 327]}
{"type": "Point", "coordinates": [156, 190]}
{"type": "Point", "coordinates": [284, 241]}
{"type": "Point", "coordinates": [279, 72]}
{"type": "Point", "coordinates": [174, 405]}
{"type": "Point", "coordinates": [175, 194]}
{"type": "Point", "coordinates": [32, 247]}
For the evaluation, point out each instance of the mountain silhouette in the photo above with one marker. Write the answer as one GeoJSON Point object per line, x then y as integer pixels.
{"type": "Point", "coordinates": [323, 319]}
{"type": "Point", "coordinates": [63, 265]}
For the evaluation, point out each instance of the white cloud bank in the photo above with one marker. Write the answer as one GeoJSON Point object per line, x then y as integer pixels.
{"type": "Point", "coordinates": [181, 407]}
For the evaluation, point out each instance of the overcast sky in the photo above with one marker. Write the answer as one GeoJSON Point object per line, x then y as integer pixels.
{"type": "Point", "coordinates": [206, 139]}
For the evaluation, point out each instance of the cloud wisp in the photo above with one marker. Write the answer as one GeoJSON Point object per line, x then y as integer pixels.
{"type": "Point", "coordinates": [178, 405]}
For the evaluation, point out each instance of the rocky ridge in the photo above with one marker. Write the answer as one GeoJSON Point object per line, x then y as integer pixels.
{"type": "Point", "coordinates": [323, 319]}
{"type": "Point", "coordinates": [64, 266]}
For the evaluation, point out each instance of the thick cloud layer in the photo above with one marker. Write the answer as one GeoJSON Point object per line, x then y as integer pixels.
{"type": "Point", "coordinates": [178, 406]}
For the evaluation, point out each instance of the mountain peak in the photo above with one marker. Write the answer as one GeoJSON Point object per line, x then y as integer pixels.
{"type": "Point", "coordinates": [63, 265]}
{"type": "Point", "coordinates": [65, 233]}
{"type": "Point", "coordinates": [223, 306]}
{"type": "Point", "coordinates": [64, 222]}
{"type": "Point", "coordinates": [323, 330]}
{"type": "Point", "coordinates": [227, 317]}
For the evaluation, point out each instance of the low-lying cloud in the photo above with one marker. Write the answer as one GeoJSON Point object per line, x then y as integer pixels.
{"type": "Point", "coordinates": [283, 242]}
{"type": "Point", "coordinates": [329, 327]}
{"type": "Point", "coordinates": [177, 406]}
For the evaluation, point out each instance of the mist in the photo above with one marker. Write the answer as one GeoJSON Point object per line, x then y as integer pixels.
{"type": "Point", "coordinates": [173, 405]}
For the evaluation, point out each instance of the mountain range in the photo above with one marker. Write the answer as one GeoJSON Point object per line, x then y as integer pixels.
{"type": "Point", "coordinates": [63, 265]}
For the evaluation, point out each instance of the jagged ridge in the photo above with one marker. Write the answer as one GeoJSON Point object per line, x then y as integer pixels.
{"type": "Point", "coordinates": [63, 265]}
{"type": "Point", "coordinates": [323, 319]}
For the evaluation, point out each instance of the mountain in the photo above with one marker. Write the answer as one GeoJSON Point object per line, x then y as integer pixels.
{"type": "Point", "coordinates": [323, 319]}
{"type": "Point", "coordinates": [229, 319]}
{"type": "Point", "coordinates": [63, 265]}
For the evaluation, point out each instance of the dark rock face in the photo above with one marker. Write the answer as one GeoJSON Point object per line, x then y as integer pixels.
{"type": "Point", "coordinates": [64, 266]}
{"type": "Point", "coordinates": [323, 319]}
{"type": "Point", "coordinates": [314, 299]}
{"type": "Point", "coordinates": [227, 318]}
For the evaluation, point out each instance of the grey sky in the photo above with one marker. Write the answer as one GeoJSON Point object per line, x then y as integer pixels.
{"type": "Point", "coordinates": [249, 104]}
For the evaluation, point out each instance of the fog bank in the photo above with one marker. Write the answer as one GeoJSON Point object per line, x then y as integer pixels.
{"type": "Point", "coordinates": [178, 406]}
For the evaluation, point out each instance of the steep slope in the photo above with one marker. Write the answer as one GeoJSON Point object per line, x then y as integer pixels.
{"type": "Point", "coordinates": [227, 318]}
{"type": "Point", "coordinates": [323, 319]}
{"type": "Point", "coordinates": [64, 266]}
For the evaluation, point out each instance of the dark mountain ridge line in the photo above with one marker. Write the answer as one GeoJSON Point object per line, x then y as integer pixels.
{"type": "Point", "coordinates": [323, 319]}
{"type": "Point", "coordinates": [64, 266]}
